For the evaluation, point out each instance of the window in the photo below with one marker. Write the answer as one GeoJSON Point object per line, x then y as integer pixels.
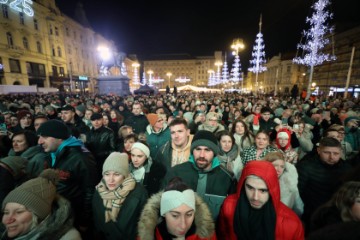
{"type": "Point", "coordinates": [22, 19]}
{"type": "Point", "coordinates": [62, 71]}
{"type": "Point", "coordinates": [26, 43]}
{"type": "Point", "coordinates": [53, 51]}
{"type": "Point", "coordinates": [67, 32]}
{"type": "Point", "coordinates": [14, 65]}
{"type": "Point", "coordinates": [59, 51]}
{"type": "Point", "coordinates": [288, 69]}
{"type": "Point", "coordinates": [5, 11]}
{"type": "Point", "coordinates": [42, 70]}
{"type": "Point", "coordinates": [36, 25]}
{"type": "Point", "coordinates": [69, 49]}
{"type": "Point", "coordinates": [74, 34]}
{"type": "Point", "coordinates": [9, 39]}
{"type": "Point", "coordinates": [55, 72]}
{"type": "Point", "coordinates": [51, 30]}
{"type": "Point", "coordinates": [56, 31]}
{"type": "Point", "coordinates": [38, 47]}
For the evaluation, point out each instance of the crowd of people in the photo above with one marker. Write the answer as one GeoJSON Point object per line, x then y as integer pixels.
{"type": "Point", "coordinates": [183, 166]}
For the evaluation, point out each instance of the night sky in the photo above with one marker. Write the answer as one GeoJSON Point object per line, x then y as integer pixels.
{"type": "Point", "coordinates": [197, 27]}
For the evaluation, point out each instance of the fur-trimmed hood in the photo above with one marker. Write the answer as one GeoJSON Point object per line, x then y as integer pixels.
{"type": "Point", "coordinates": [150, 218]}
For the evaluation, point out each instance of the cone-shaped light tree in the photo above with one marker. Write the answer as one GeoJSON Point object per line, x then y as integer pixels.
{"type": "Point", "coordinates": [317, 37]}
{"type": "Point", "coordinates": [225, 72]}
{"type": "Point", "coordinates": [236, 69]}
{"type": "Point", "coordinates": [258, 56]}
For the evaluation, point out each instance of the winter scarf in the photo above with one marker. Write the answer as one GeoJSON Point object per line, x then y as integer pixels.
{"type": "Point", "coordinates": [181, 155]}
{"type": "Point", "coordinates": [227, 159]}
{"type": "Point", "coordinates": [113, 200]}
{"type": "Point", "coordinates": [70, 142]}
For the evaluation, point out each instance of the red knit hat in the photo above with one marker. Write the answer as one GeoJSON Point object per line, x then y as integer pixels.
{"type": "Point", "coordinates": [284, 132]}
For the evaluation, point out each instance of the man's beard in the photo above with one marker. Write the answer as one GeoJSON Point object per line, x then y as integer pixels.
{"type": "Point", "coordinates": [203, 164]}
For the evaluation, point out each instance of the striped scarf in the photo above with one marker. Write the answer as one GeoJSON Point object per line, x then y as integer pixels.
{"type": "Point", "coordinates": [113, 200]}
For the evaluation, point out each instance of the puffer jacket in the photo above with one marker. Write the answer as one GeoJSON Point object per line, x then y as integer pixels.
{"type": "Point", "coordinates": [289, 191]}
{"type": "Point", "coordinates": [288, 226]}
{"type": "Point", "coordinates": [148, 223]}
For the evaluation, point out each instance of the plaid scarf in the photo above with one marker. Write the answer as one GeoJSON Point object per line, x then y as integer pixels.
{"type": "Point", "coordinates": [113, 200]}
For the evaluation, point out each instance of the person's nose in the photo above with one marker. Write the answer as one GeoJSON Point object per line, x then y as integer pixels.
{"type": "Point", "coordinates": [9, 218]}
{"type": "Point", "coordinates": [202, 153]}
{"type": "Point", "coordinates": [182, 223]}
{"type": "Point", "coordinates": [256, 195]}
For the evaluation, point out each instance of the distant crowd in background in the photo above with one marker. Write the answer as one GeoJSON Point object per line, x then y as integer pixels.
{"type": "Point", "coordinates": [179, 166]}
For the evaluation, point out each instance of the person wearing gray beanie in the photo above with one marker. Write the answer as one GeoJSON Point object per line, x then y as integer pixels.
{"type": "Point", "coordinates": [34, 211]}
{"type": "Point", "coordinates": [118, 200]}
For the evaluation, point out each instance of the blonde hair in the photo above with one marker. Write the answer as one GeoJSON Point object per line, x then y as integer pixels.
{"type": "Point", "coordinates": [273, 156]}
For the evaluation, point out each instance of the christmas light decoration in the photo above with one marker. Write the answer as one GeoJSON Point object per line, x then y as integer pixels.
{"type": "Point", "coordinates": [143, 81]}
{"type": "Point", "coordinates": [317, 39]}
{"type": "Point", "coordinates": [236, 69]}
{"type": "Point", "coordinates": [182, 79]}
{"type": "Point", "coordinates": [225, 73]}
{"type": "Point", "coordinates": [123, 70]}
{"type": "Point", "coordinates": [258, 55]}
{"type": "Point", "coordinates": [211, 81]}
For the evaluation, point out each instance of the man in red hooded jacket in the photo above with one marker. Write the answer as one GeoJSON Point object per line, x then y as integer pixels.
{"type": "Point", "coordinates": [255, 210]}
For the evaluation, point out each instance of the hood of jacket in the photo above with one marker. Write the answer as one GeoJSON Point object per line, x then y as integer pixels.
{"type": "Point", "coordinates": [266, 171]}
{"type": "Point", "coordinates": [28, 153]}
{"type": "Point", "coordinates": [56, 225]}
{"type": "Point", "coordinates": [150, 130]}
{"type": "Point", "coordinates": [150, 218]}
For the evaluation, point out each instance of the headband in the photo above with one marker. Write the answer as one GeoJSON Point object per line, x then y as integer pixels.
{"type": "Point", "coordinates": [173, 199]}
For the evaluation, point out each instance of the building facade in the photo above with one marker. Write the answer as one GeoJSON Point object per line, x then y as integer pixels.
{"type": "Point", "coordinates": [39, 45]}
{"type": "Point", "coordinates": [175, 68]}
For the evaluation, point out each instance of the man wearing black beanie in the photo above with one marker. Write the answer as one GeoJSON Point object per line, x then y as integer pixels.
{"type": "Point", "coordinates": [203, 172]}
{"type": "Point", "coordinates": [76, 167]}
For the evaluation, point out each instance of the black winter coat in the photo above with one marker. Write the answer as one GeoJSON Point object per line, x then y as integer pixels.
{"type": "Point", "coordinates": [77, 171]}
{"type": "Point", "coordinates": [125, 228]}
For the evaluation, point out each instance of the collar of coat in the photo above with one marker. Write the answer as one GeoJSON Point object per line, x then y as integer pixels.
{"type": "Point", "coordinates": [150, 216]}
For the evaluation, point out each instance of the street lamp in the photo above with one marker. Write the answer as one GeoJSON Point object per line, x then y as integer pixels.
{"type": "Point", "coordinates": [237, 44]}
{"type": "Point", "coordinates": [169, 74]}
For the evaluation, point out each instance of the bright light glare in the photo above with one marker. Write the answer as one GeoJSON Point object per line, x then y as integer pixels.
{"type": "Point", "coordinates": [104, 53]}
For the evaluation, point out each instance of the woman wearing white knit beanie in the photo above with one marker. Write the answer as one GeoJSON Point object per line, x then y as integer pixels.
{"type": "Point", "coordinates": [117, 201]}
{"type": "Point", "coordinates": [146, 171]}
{"type": "Point", "coordinates": [176, 213]}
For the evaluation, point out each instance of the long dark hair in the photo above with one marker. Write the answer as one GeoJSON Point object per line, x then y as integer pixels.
{"type": "Point", "coordinates": [247, 133]}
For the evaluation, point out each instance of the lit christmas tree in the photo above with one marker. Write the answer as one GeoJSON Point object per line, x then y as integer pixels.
{"type": "Point", "coordinates": [316, 40]}
{"type": "Point", "coordinates": [258, 55]}
{"type": "Point", "coordinates": [143, 81]}
{"type": "Point", "coordinates": [225, 72]}
{"type": "Point", "coordinates": [212, 80]}
{"type": "Point", "coordinates": [236, 69]}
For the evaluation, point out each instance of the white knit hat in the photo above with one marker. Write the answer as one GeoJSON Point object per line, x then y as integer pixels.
{"type": "Point", "coordinates": [142, 147]}
{"type": "Point", "coordinates": [117, 162]}
{"type": "Point", "coordinates": [173, 199]}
